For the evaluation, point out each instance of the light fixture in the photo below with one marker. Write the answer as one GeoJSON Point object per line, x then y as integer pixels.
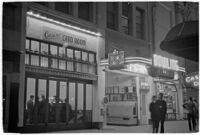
{"type": "Point", "coordinates": [30, 13]}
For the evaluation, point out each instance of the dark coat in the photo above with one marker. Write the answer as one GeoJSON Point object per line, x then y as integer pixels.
{"type": "Point", "coordinates": [162, 109]}
{"type": "Point", "coordinates": [154, 110]}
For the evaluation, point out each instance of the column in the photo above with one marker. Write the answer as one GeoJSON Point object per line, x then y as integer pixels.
{"type": "Point", "coordinates": [138, 98]}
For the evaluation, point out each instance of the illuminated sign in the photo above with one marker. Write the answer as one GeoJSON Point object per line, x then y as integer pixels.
{"type": "Point", "coordinates": [166, 63]}
{"type": "Point", "coordinates": [116, 60]}
{"type": "Point", "coordinates": [192, 79]}
{"type": "Point", "coordinates": [61, 37]}
{"type": "Point", "coordinates": [137, 68]}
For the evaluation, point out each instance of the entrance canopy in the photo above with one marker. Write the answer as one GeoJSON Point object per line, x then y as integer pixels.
{"type": "Point", "coordinates": [183, 40]}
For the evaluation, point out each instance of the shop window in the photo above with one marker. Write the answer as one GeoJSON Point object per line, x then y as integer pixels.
{"type": "Point", "coordinates": [89, 103]}
{"type": "Point", "coordinates": [64, 7]}
{"type": "Point", "coordinates": [91, 57]}
{"type": "Point", "coordinates": [91, 69]}
{"type": "Point", "coordinates": [27, 44]}
{"type": "Point", "coordinates": [34, 60]}
{"type": "Point", "coordinates": [43, 61]}
{"type": "Point", "coordinates": [62, 103]}
{"type": "Point", "coordinates": [52, 101]}
{"type": "Point", "coordinates": [70, 66]}
{"type": "Point", "coordinates": [62, 52]}
{"type": "Point", "coordinates": [70, 53]}
{"type": "Point", "coordinates": [72, 101]}
{"type": "Point", "coordinates": [30, 100]}
{"type": "Point", "coordinates": [53, 50]}
{"type": "Point", "coordinates": [27, 59]}
{"type": "Point", "coordinates": [139, 23]}
{"type": "Point", "coordinates": [80, 103]}
{"type": "Point", "coordinates": [112, 15]}
{"type": "Point", "coordinates": [54, 63]}
{"type": "Point", "coordinates": [34, 46]}
{"type": "Point", "coordinates": [44, 48]}
{"type": "Point", "coordinates": [62, 64]}
{"type": "Point", "coordinates": [84, 56]}
{"type": "Point", "coordinates": [126, 16]}
{"type": "Point", "coordinates": [85, 10]}
{"type": "Point", "coordinates": [77, 54]}
{"type": "Point", "coordinates": [78, 67]}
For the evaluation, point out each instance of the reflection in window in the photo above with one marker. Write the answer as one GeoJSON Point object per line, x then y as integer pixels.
{"type": "Point", "coordinates": [34, 60]}
{"type": "Point", "coordinates": [61, 51]}
{"type": "Point", "coordinates": [44, 62]}
{"type": "Point", "coordinates": [27, 44]}
{"type": "Point", "coordinates": [35, 46]}
{"type": "Point", "coordinates": [78, 67]}
{"type": "Point", "coordinates": [30, 100]}
{"type": "Point", "coordinates": [44, 48]}
{"type": "Point", "coordinates": [77, 54]}
{"type": "Point", "coordinates": [91, 57]}
{"type": "Point", "coordinates": [84, 56]}
{"type": "Point", "coordinates": [85, 68]}
{"type": "Point", "coordinates": [69, 53]}
{"type": "Point", "coordinates": [26, 59]}
{"type": "Point", "coordinates": [70, 66]}
{"type": "Point", "coordinates": [54, 63]}
{"type": "Point", "coordinates": [62, 64]}
{"type": "Point", "coordinates": [53, 50]}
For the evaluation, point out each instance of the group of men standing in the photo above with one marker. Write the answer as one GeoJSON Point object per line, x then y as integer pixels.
{"type": "Point", "coordinates": [158, 109]}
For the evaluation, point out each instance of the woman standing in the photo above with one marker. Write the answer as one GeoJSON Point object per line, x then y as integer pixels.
{"type": "Point", "coordinates": [152, 109]}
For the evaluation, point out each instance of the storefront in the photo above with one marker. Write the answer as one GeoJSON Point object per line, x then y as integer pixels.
{"type": "Point", "coordinates": [129, 91]}
{"type": "Point", "coordinates": [167, 81]}
{"type": "Point", "coordinates": [61, 82]}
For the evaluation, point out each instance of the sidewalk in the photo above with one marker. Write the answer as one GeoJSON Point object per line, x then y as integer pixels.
{"type": "Point", "coordinates": [170, 127]}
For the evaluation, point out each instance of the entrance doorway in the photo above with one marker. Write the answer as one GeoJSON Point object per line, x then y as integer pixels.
{"type": "Point", "coordinates": [58, 101]}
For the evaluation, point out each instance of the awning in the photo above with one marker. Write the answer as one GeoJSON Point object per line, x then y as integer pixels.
{"type": "Point", "coordinates": [183, 40]}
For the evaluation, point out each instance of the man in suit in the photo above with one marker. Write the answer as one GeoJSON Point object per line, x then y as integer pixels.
{"type": "Point", "coordinates": [162, 109]}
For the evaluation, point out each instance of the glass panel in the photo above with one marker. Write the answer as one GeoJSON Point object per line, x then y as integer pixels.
{"type": "Point", "coordinates": [26, 58]}
{"type": "Point", "coordinates": [27, 44]}
{"type": "Point", "coordinates": [78, 67]}
{"type": "Point", "coordinates": [70, 66]}
{"type": "Point", "coordinates": [53, 50]}
{"type": "Point", "coordinates": [77, 54]}
{"type": "Point", "coordinates": [84, 56]}
{"type": "Point", "coordinates": [62, 64]}
{"type": "Point", "coordinates": [89, 102]}
{"type": "Point", "coordinates": [54, 63]}
{"type": "Point", "coordinates": [62, 52]}
{"type": "Point", "coordinates": [143, 104]}
{"type": "Point", "coordinates": [35, 46]}
{"type": "Point", "coordinates": [34, 60]}
{"type": "Point", "coordinates": [91, 69]}
{"type": "Point", "coordinates": [44, 62]}
{"type": "Point", "coordinates": [80, 117]}
{"type": "Point", "coordinates": [69, 53]}
{"type": "Point", "coordinates": [85, 68]}
{"type": "Point", "coordinates": [91, 57]}
{"type": "Point", "coordinates": [42, 84]}
{"type": "Point", "coordinates": [63, 92]}
{"type": "Point", "coordinates": [72, 102]}
{"type": "Point", "coordinates": [52, 101]}
{"type": "Point", "coordinates": [44, 48]}
{"type": "Point", "coordinates": [30, 96]}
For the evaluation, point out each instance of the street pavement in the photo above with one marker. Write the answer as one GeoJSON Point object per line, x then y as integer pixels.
{"type": "Point", "coordinates": [170, 127]}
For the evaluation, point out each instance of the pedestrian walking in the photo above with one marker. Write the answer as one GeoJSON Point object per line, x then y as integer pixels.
{"type": "Point", "coordinates": [196, 111]}
{"type": "Point", "coordinates": [153, 110]}
{"type": "Point", "coordinates": [190, 107]}
{"type": "Point", "coordinates": [162, 109]}
{"type": "Point", "coordinates": [30, 109]}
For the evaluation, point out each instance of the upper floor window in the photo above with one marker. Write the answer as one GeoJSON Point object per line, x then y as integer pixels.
{"type": "Point", "coordinates": [85, 10]}
{"type": "Point", "coordinates": [112, 15]}
{"type": "Point", "coordinates": [126, 17]}
{"type": "Point", "coordinates": [139, 23]}
{"type": "Point", "coordinates": [64, 7]}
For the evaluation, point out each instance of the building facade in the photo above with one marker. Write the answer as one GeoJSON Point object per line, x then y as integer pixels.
{"type": "Point", "coordinates": [61, 54]}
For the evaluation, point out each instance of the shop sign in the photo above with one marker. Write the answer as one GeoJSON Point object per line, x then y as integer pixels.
{"type": "Point", "coordinates": [160, 72]}
{"type": "Point", "coordinates": [192, 79]}
{"type": "Point", "coordinates": [165, 63]}
{"type": "Point", "coordinates": [116, 60]}
{"type": "Point", "coordinates": [137, 68]}
{"type": "Point", "coordinates": [61, 37]}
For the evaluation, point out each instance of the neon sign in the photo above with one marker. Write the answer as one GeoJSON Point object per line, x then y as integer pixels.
{"type": "Point", "coordinates": [137, 68]}
{"type": "Point", "coordinates": [164, 62]}
{"type": "Point", "coordinates": [193, 79]}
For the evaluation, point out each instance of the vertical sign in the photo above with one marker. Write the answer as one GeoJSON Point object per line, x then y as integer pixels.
{"type": "Point", "coordinates": [116, 60]}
